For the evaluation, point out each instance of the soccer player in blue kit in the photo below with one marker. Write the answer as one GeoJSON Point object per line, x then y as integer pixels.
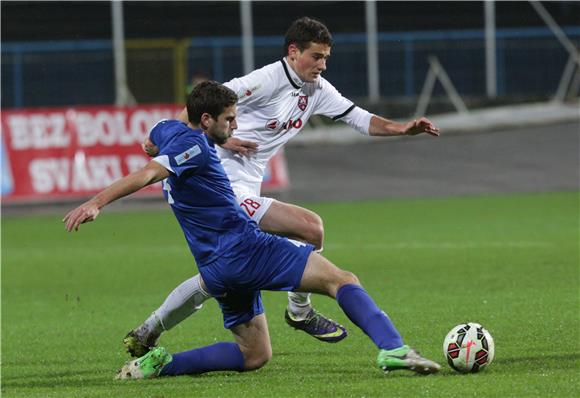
{"type": "Point", "coordinates": [274, 104]}
{"type": "Point", "coordinates": [235, 259]}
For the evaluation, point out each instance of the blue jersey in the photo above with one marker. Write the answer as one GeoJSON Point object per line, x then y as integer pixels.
{"type": "Point", "coordinates": [199, 191]}
{"type": "Point", "coordinates": [236, 260]}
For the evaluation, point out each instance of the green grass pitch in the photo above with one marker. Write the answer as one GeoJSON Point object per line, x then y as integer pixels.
{"type": "Point", "coordinates": [509, 262]}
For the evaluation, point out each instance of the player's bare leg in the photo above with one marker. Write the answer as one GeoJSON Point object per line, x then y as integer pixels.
{"type": "Point", "coordinates": [296, 222]}
{"type": "Point", "coordinates": [253, 338]}
{"type": "Point", "coordinates": [321, 276]}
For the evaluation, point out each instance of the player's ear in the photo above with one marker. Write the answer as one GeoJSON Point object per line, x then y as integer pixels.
{"type": "Point", "coordinates": [293, 51]}
{"type": "Point", "coordinates": [205, 120]}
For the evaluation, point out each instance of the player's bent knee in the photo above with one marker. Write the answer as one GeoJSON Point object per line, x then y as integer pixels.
{"type": "Point", "coordinates": [315, 230]}
{"type": "Point", "coordinates": [342, 278]}
{"type": "Point", "coordinates": [348, 278]}
{"type": "Point", "coordinates": [256, 359]}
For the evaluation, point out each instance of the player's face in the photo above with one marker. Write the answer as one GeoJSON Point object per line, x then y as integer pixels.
{"type": "Point", "coordinates": [221, 129]}
{"type": "Point", "coordinates": [311, 62]}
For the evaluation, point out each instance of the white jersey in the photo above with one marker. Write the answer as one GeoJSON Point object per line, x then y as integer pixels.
{"type": "Point", "coordinates": [274, 105]}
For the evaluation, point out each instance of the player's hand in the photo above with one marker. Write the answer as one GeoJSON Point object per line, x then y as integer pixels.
{"type": "Point", "coordinates": [245, 148]}
{"type": "Point", "coordinates": [149, 147]}
{"type": "Point", "coordinates": [86, 212]}
{"type": "Point", "coordinates": [420, 126]}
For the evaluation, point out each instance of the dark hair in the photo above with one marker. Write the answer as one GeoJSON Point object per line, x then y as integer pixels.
{"type": "Point", "coordinates": [209, 97]}
{"type": "Point", "coordinates": [305, 30]}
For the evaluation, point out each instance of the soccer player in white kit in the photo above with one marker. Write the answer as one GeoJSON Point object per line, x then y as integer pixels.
{"type": "Point", "coordinates": [274, 104]}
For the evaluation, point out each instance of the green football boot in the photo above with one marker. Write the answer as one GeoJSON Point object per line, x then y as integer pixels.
{"type": "Point", "coordinates": [405, 358]}
{"type": "Point", "coordinates": [147, 367]}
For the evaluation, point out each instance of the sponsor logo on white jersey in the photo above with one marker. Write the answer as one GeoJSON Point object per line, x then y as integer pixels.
{"type": "Point", "coordinates": [292, 124]}
{"type": "Point", "coordinates": [248, 92]}
{"type": "Point", "coordinates": [272, 124]}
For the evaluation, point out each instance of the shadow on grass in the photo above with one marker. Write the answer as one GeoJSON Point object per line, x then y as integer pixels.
{"type": "Point", "coordinates": [563, 361]}
{"type": "Point", "coordinates": [92, 377]}
{"type": "Point", "coordinates": [48, 375]}
{"type": "Point", "coordinates": [52, 383]}
{"type": "Point", "coordinates": [88, 379]}
{"type": "Point", "coordinates": [527, 364]}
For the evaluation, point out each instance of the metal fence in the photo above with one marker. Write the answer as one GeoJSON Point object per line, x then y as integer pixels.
{"type": "Point", "coordinates": [530, 62]}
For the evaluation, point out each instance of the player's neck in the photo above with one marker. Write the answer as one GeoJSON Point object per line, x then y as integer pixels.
{"type": "Point", "coordinates": [292, 65]}
{"type": "Point", "coordinates": [193, 126]}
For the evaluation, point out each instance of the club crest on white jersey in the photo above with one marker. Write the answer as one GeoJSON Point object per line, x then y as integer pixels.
{"type": "Point", "coordinates": [302, 102]}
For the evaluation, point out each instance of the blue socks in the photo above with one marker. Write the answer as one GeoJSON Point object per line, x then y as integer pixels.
{"type": "Point", "coordinates": [220, 356]}
{"type": "Point", "coordinates": [353, 299]}
{"type": "Point", "coordinates": [363, 312]}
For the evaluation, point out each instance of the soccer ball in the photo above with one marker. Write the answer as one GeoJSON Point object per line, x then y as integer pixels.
{"type": "Point", "coordinates": [468, 348]}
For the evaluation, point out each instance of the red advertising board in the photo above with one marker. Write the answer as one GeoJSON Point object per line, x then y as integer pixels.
{"type": "Point", "coordinates": [51, 154]}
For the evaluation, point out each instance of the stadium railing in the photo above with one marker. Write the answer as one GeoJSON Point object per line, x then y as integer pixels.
{"type": "Point", "coordinates": [530, 62]}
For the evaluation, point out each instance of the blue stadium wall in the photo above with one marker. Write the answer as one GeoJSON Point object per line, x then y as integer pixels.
{"type": "Point", "coordinates": [60, 53]}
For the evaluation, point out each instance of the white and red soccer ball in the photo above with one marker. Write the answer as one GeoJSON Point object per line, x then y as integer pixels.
{"type": "Point", "coordinates": [468, 348]}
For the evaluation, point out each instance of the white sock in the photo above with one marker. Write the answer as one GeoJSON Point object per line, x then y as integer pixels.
{"type": "Point", "coordinates": [183, 301]}
{"type": "Point", "coordinates": [299, 304]}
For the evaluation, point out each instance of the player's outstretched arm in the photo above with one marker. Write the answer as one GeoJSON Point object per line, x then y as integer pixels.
{"type": "Point", "coordinates": [380, 126]}
{"type": "Point", "coordinates": [88, 211]}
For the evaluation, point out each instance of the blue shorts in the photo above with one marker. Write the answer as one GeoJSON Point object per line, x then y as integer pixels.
{"type": "Point", "coordinates": [261, 262]}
